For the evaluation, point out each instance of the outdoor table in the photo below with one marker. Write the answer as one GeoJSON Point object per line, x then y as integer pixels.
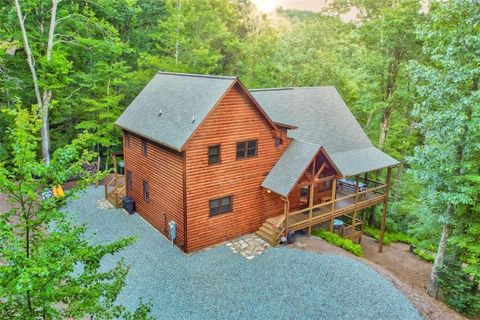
{"type": "Point", "coordinates": [338, 224]}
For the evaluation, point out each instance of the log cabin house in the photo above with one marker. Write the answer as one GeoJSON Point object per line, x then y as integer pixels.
{"type": "Point", "coordinates": [223, 161]}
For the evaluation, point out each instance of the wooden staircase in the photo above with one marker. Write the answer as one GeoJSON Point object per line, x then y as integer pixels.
{"type": "Point", "coordinates": [272, 230]}
{"type": "Point", "coordinates": [115, 190]}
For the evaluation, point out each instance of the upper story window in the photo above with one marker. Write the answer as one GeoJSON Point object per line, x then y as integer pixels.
{"type": "Point", "coordinates": [278, 142]}
{"type": "Point", "coordinates": [127, 139]}
{"type": "Point", "coordinates": [220, 205]}
{"type": "Point", "coordinates": [246, 149]}
{"type": "Point", "coordinates": [144, 147]}
{"type": "Point", "coordinates": [146, 191]}
{"type": "Point", "coordinates": [129, 180]}
{"type": "Point", "coordinates": [214, 154]}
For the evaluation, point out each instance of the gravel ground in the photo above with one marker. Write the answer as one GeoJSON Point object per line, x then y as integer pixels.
{"type": "Point", "coordinates": [282, 283]}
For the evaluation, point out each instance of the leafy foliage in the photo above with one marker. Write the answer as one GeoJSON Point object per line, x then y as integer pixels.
{"type": "Point", "coordinates": [459, 289]}
{"type": "Point", "coordinates": [49, 269]}
{"type": "Point", "coordinates": [410, 77]}
{"type": "Point", "coordinates": [389, 237]}
{"type": "Point", "coordinates": [338, 241]}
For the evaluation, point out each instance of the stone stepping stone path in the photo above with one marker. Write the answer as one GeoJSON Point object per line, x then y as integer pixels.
{"type": "Point", "coordinates": [249, 246]}
{"type": "Point", "coordinates": [104, 204]}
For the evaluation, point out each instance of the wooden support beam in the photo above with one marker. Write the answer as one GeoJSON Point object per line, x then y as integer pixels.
{"type": "Point", "coordinates": [286, 209]}
{"type": "Point", "coordinates": [310, 205]}
{"type": "Point", "coordinates": [334, 195]}
{"type": "Point", "coordinates": [384, 214]}
{"type": "Point", "coordinates": [354, 223]}
{"type": "Point", "coordinates": [356, 189]}
{"type": "Point", "coordinates": [311, 194]}
{"type": "Point", "coordinates": [320, 170]}
{"type": "Point", "coordinates": [325, 179]}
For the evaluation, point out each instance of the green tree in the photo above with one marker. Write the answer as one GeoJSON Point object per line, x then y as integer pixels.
{"type": "Point", "coordinates": [196, 36]}
{"type": "Point", "coordinates": [48, 269]}
{"type": "Point", "coordinates": [447, 163]}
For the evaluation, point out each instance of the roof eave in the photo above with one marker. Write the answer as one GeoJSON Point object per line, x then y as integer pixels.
{"type": "Point", "coordinates": [148, 138]}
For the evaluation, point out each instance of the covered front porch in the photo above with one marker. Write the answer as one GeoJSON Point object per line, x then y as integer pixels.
{"type": "Point", "coordinates": [344, 204]}
{"type": "Point", "coordinates": [320, 195]}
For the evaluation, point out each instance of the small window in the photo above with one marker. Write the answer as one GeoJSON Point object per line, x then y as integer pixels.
{"type": "Point", "coordinates": [246, 149]}
{"type": "Point", "coordinates": [278, 142]}
{"type": "Point", "coordinates": [304, 192]}
{"type": "Point", "coordinates": [144, 147]}
{"type": "Point", "coordinates": [214, 154]}
{"type": "Point", "coordinates": [221, 205]}
{"type": "Point", "coordinates": [129, 180]}
{"type": "Point", "coordinates": [146, 192]}
{"type": "Point", "coordinates": [127, 139]}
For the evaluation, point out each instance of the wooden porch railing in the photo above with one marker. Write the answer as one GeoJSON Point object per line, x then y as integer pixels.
{"type": "Point", "coordinates": [335, 208]}
{"type": "Point", "coordinates": [114, 192]}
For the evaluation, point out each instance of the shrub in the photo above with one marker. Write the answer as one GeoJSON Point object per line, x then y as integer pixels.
{"type": "Point", "coordinates": [388, 237]}
{"type": "Point", "coordinates": [338, 241]}
{"type": "Point", "coordinates": [424, 255]}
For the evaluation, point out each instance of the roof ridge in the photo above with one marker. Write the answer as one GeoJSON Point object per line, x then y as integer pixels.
{"type": "Point", "coordinates": [197, 75]}
{"type": "Point", "coordinates": [289, 88]}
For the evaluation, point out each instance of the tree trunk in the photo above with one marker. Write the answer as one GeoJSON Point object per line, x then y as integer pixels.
{"type": "Point", "coordinates": [398, 181]}
{"type": "Point", "coordinates": [384, 126]}
{"type": "Point", "coordinates": [43, 102]}
{"type": "Point", "coordinates": [432, 288]}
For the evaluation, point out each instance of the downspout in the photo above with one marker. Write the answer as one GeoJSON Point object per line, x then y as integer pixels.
{"type": "Point", "coordinates": [286, 204]}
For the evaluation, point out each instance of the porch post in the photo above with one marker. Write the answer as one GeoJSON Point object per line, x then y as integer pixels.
{"type": "Point", "coordinates": [310, 205]}
{"type": "Point", "coordinates": [286, 209]}
{"type": "Point", "coordinates": [384, 214]}
{"type": "Point", "coordinates": [334, 196]}
{"type": "Point", "coordinates": [356, 189]}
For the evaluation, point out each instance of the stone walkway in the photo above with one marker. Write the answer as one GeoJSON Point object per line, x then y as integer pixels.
{"type": "Point", "coordinates": [248, 246]}
{"type": "Point", "coordinates": [104, 204]}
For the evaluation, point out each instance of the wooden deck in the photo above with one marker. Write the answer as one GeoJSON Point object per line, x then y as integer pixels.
{"type": "Point", "coordinates": [345, 203]}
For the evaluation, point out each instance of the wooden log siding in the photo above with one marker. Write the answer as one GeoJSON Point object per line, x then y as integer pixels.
{"type": "Point", "coordinates": [234, 119]}
{"type": "Point", "coordinates": [163, 169]}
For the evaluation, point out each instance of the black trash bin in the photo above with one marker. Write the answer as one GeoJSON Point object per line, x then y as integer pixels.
{"type": "Point", "coordinates": [291, 237]}
{"type": "Point", "coordinates": [129, 204]}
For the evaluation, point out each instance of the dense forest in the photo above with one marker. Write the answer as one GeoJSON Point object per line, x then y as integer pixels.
{"type": "Point", "coordinates": [409, 74]}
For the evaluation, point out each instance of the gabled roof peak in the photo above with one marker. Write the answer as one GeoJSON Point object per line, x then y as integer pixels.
{"type": "Point", "coordinates": [197, 75]}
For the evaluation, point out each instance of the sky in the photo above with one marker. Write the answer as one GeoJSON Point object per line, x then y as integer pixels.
{"type": "Point", "coordinates": [312, 5]}
{"type": "Point", "coordinates": [270, 5]}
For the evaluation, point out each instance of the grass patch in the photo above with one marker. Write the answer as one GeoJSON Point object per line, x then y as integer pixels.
{"type": "Point", "coordinates": [388, 237]}
{"type": "Point", "coordinates": [338, 241]}
{"type": "Point", "coordinates": [424, 255]}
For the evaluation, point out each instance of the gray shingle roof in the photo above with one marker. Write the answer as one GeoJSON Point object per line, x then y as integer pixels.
{"type": "Point", "coordinates": [323, 118]}
{"type": "Point", "coordinates": [356, 161]}
{"type": "Point", "coordinates": [289, 168]}
{"type": "Point", "coordinates": [180, 98]}
{"type": "Point", "coordinates": [321, 115]}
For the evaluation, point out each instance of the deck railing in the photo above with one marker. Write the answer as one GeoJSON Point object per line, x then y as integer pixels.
{"type": "Point", "coordinates": [115, 191]}
{"type": "Point", "coordinates": [337, 207]}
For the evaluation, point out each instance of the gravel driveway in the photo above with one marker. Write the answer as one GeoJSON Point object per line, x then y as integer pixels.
{"type": "Point", "coordinates": [282, 283]}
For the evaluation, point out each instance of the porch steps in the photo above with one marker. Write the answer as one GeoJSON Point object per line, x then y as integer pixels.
{"type": "Point", "coordinates": [268, 232]}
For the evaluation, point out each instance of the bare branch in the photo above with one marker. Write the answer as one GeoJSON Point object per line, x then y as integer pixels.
{"type": "Point", "coordinates": [72, 93]}
{"type": "Point", "coordinates": [28, 52]}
